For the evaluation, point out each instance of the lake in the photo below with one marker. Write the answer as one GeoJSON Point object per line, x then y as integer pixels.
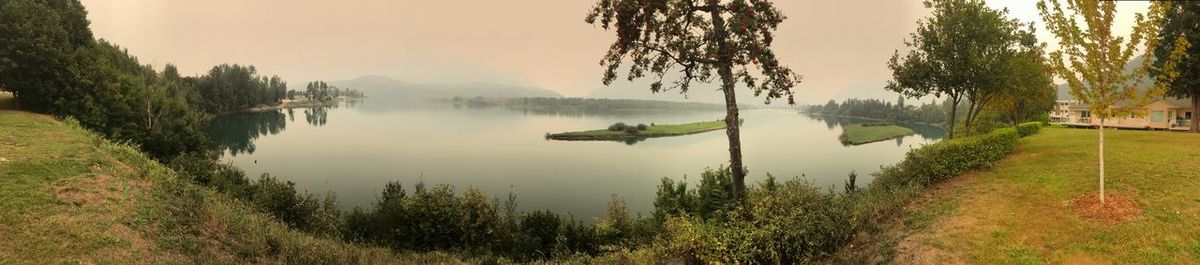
{"type": "Point", "coordinates": [355, 149]}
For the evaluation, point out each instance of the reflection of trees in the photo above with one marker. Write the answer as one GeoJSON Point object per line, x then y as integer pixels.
{"type": "Point", "coordinates": [928, 132]}
{"type": "Point", "coordinates": [236, 133]}
{"type": "Point", "coordinates": [316, 116]}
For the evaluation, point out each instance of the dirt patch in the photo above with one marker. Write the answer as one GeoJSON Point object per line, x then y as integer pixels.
{"type": "Point", "coordinates": [91, 191]}
{"type": "Point", "coordinates": [915, 250]}
{"type": "Point", "coordinates": [1115, 209]}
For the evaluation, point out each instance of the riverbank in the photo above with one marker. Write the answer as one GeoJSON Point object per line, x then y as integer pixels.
{"type": "Point", "coordinates": [871, 119]}
{"type": "Point", "coordinates": [652, 131]}
{"type": "Point", "coordinates": [859, 134]}
{"type": "Point", "coordinates": [69, 196]}
{"type": "Point", "coordinates": [1026, 209]}
{"type": "Point", "coordinates": [294, 103]}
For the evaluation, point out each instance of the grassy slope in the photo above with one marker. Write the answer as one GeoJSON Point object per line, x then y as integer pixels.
{"type": "Point", "coordinates": [68, 196]}
{"type": "Point", "coordinates": [658, 130]}
{"type": "Point", "coordinates": [1020, 211]}
{"type": "Point", "coordinates": [858, 134]}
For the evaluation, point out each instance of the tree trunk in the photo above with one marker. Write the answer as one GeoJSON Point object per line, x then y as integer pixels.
{"type": "Point", "coordinates": [1195, 113]}
{"type": "Point", "coordinates": [953, 117]}
{"type": "Point", "coordinates": [1101, 160]}
{"type": "Point", "coordinates": [724, 60]}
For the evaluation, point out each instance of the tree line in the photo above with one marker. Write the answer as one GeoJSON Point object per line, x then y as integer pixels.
{"type": "Point", "coordinates": [928, 113]}
{"type": "Point", "coordinates": [52, 64]}
{"type": "Point", "coordinates": [323, 92]}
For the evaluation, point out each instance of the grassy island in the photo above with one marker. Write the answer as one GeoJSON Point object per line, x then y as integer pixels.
{"type": "Point", "coordinates": [869, 133]}
{"type": "Point", "coordinates": [620, 131]}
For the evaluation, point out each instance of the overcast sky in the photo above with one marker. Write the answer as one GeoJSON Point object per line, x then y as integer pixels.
{"type": "Point", "coordinates": [840, 47]}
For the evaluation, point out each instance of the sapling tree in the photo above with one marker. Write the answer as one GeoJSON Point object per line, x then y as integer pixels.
{"type": "Point", "coordinates": [1093, 61]}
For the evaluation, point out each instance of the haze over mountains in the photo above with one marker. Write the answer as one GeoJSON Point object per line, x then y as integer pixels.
{"type": "Point", "coordinates": [376, 86]}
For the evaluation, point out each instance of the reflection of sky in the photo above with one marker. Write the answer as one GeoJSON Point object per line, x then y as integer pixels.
{"type": "Point", "coordinates": [355, 153]}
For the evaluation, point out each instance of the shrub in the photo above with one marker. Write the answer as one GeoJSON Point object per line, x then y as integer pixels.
{"type": "Point", "coordinates": [632, 130]}
{"type": "Point", "coordinates": [796, 222]}
{"type": "Point", "coordinates": [942, 160]}
{"type": "Point", "coordinates": [616, 127]}
{"type": "Point", "coordinates": [538, 235]}
{"type": "Point", "coordinates": [1029, 128]}
{"type": "Point", "coordinates": [642, 127]}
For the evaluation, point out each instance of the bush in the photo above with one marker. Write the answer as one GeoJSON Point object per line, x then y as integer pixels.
{"type": "Point", "coordinates": [632, 130]}
{"type": "Point", "coordinates": [616, 127]}
{"type": "Point", "coordinates": [642, 127]}
{"type": "Point", "coordinates": [796, 222]}
{"type": "Point", "coordinates": [942, 160]}
{"type": "Point", "coordinates": [1029, 128]}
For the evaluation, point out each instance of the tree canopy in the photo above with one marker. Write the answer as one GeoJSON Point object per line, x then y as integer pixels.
{"type": "Point", "coordinates": [1181, 25]}
{"type": "Point", "coordinates": [965, 51]}
{"type": "Point", "coordinates": [694, 41]}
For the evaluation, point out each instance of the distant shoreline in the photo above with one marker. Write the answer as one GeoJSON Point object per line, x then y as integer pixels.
{"type": "Point", "coordinates": [288, 104]}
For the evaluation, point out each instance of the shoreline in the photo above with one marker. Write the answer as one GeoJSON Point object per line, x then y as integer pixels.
{"type": "Point", "coordinates": [286, 104]}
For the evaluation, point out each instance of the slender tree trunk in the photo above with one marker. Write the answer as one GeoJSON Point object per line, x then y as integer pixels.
{"type": "Point", "coordinates": [733, 131]}
{"type": "Point", "coordinates": [728, 83]}
{"type": "Point", "coordinates": [1195, 124]}
{"type": "Point", "coordinates": [953, 116]}
{"type": "Point", "coordinates": [1102, 160]}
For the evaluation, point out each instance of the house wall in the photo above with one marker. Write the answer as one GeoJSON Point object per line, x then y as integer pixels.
{"type": "Point", "coordinates": [1140, 120]}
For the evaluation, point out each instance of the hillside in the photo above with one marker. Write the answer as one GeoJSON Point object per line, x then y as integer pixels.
{"type": "Point", "coordinates": [387, 88]}
{"type": "Point", "coordinates": [1024, 211]}
{"type": "Point", "coordinates": [69, 196]}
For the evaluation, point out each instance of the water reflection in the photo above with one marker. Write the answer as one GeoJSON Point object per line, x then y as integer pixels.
{"type": "Point", "coordinates": [927, 132]}
{"type": "Point", "coordinates": [317, 116]}
{"type": "Point", "coordinates": [501, 151]}
{"type": "Point", "coordinates": [236, 133]}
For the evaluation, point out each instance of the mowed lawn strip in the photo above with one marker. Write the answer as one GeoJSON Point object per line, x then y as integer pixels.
{"type": "Point", "coordinates": [859, 134]}
{"type": "Point", "coordinates": [1021, 211]}
{"type": "Point", "coordinates": [657, 130]}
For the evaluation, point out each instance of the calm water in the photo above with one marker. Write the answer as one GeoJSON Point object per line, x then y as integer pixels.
{"type": "Point", "coordinates": [354, 150]}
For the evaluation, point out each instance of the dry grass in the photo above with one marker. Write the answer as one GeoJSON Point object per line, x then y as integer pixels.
{"type": "Point", "coordinates": [1024, 210]}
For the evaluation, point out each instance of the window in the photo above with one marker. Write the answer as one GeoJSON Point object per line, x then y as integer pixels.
{"type": "Point", "coordinates": [1085, 114]}
{"type": "Point", "coordinates": [1187, 115]}
{"type": "Point", "coordinates": [1157, 116]}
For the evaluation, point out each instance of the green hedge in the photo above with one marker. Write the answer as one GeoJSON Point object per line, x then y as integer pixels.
{"type": "Point", "coordinates": [943, 160]}
{"type": "Point", "coordinates": [1029, 128]}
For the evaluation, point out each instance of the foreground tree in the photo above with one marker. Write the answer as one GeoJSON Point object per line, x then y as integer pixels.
{"type": "Point", "coordinates": [1182, 20]}
{"type": "Point", "coordinates": [688, 41]}
{"type": "Point", "coordinates": [965, 51]}
{"type": "Point", "coordinates": [1093, 61]}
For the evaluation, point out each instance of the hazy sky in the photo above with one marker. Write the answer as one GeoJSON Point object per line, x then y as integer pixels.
{"type": "Point", "coordinates": [840, 47]}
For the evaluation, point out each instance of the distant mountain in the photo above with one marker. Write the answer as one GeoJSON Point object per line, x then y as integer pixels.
{"type": "Point", "coordinates": [1064, 91]}
{"type": "Point", "coordinates": [384, 87]}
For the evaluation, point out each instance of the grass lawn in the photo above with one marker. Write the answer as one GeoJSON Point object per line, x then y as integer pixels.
{"type": "Point", "coordinates": [657, 130]}
{"type": "Point", "coordinates": [858, 134]}
{"type": "Point", "coordinates": [1021, 211]}
{"type": "Point", "coordinates": [69, 196]}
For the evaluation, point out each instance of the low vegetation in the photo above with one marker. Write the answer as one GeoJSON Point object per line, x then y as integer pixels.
{"type": "Point", "coordinates": [69, 196]}
{"type": "Point", "coordinates": [797, 222]}
{"type": "Point", "coordinates": [621, 131]}
{"type": "Point", "coordinates": [869, 133]}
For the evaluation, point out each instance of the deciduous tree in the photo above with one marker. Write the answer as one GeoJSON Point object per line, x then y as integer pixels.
{"type": "Point", "coordinates": [699, 41]}
{"type": "Point", "coordinates": [1093, 60]}
{"type": "Point", "coordinates": [964, 51]}
{"type": "Point", "coordinates": [1182, 20]}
